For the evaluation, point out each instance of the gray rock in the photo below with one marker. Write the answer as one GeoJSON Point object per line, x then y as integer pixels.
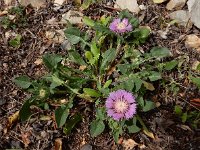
{"type": "Point", "coordinates": [86, 147]}
{"type": "Point", "coordinates": [182, 16]}
{"type": "Point", "coordinates": [190, 3]}
{"type": "Point", "coordinates": [74, 17]}
{"type": "Point", "coordinates": [175, 4]}
{"type": "Point", "coordinates": [195, 13]}
{"type": "Point", "coordinates": [131, 5]}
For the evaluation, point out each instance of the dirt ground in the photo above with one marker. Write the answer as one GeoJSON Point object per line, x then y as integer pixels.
{"type": "Point", "coordinates": [170, 132]}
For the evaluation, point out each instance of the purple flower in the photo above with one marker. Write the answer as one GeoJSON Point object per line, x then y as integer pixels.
{"type": "Point", "coordinates": [120, 26]}
{"type": "Point", "coordinates": [121, 105]}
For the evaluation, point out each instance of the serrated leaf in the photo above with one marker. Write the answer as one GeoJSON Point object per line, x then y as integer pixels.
{"type": "Point", "coordinates": [91, 92]}
{"type": "Point", "coordinates": [100, 113]}
{"type": "Point", "coordinates": [22, 81]}
{"type": "Point", "coordinates": [95, 51]}
{"type": "Point", "coordinates": [96, 127]}
{"type": "Point", "coordinates": [154, 76]}
{"type": "Point", "coordinates": [71, 123]}
{"type": "Point", "coordinates": [88, 21]}
{"type": "Point", "coordinates": [51, 60]}
{"type": "Point", "coordinates": [107, 84]}
{"type": "Point", "coordinates": [149, 105]}
{"type": "Point", "coordinates": [61, 115]}
{"type": "Point", "coordinates": [75, 57]}
{"type": "Point", "coordinates": [73, 35]}
{"type": "Point", "coordinates": [171, 65]}
{"type": "Point", "coordinates": [160, 52]}
{"type": "Point", "coordinates": [195, 81]}
{"type": "Point", "coordinates": [90, 58]}
{"type": "Point", "coordinates": [108, 57]}
{"type": "Point", "coordinates": [132, 127]}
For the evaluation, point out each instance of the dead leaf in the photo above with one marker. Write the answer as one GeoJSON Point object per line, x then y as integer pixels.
{"type": "Point", "coordinates": [159, 1]}
{"type": "Point", "coordinates": [192, 41]}
{"type": "Point", "coordinates": [12, 119]}
{"type": "Point", "coordinates": [38, 61]}
{"type": "Point", "coordinates": [2, 13]}
{"type": "Point", "coordinates": [25, 138]}
{"type": "Point", "coordinates": [59, 2]}
{"type": "Point", "coordinates": [82, 68]}
{"type": "Point", "coordinates": [195, 102]}
{"type": "Point", "coordinates": [35, 3]}
{"type": "Point", "coordinates": [148, 86]}
{"type": "Point", "coordinates": [185, 127]}
{"type": "Point", "coordinates": [195, 65]}
{"type": "Point", "coordinates": [142, 146]}
{"type": "Point", "coordinates": [129, 144]}
{"type": "Point", "coordinates": [149, 134]}
{"type": "Point", "coordinates": [58, 144]}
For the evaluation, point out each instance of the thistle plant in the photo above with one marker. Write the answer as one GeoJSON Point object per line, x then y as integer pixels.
{"type": "Point", "coordinates": [105, 69]}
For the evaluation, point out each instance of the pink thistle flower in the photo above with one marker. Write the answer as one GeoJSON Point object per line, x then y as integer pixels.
{"type": "Point", "coordinates": [121, 105]}
{"type": "Point", "coordinates": [120, 26]}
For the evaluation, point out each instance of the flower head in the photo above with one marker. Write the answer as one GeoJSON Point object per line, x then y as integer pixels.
{"type": "Point", "coordinates": [121, 105]}
{"type": "Point", "coordinates": [120, 26]}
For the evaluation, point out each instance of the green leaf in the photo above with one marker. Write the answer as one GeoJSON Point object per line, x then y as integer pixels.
{"type": "Point", "coordinates": [71, 123]}
{"type": "Point", "coordinates": [51, 60]}
{"type": "Point", "coordinates": [144, 32]}
{"type": "Point", "coordinates": [86, 4]}
{"type": "Point", "coordinates": [154, 76]}
{"type": "Point", "coordinates": [22, 81]}
{"type": "Point", "coordinates": [95, 51]}
{"type": "Point", "coordinates": [25, 111]}
{"type": "Point", "coordinates": [61, 115]}
{"type": "Point", "coordinates": [96, 127]}
{"type": "Point", "coordinates": [100, 113]}
{"type": "Point", "coordinates": [171, 65]}
{"type": "Point", "coordinates": [108, 57]}
{"type": "Point", "coordinates": [91, 92]}
{"type": "Point", "coordinates": [107, 84]}
{"type": "Point", "coordinates": [138, 83]}
{"type": "Point", "coordinates": [178, 110]}
{"type": "Point", "coordinates": [88, 21]}
{"type": "Point", "coordinates": [160, 52]}
{"type": "Point", "coordinates": [73, 35]}
{"type": "Point", "coordinates": [195, 81]}
{"type": "Point", "coordinates": [16, 41]}
{"type": "Point", "coordinates": [89, 56]}
{"type": "Point", "coordinates": [184, 117]}
{"type": "Point", "coordinates": [132, 127]}
{"type": "Point", "coordinates": [75, 57]}
{"type": "Point", "coordinates": [149, 105]}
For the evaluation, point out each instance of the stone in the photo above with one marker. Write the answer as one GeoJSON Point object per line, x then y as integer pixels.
{"type": "Point", "coordinates": [86, 147]}
{"type": "Point", "coordinates": [131, 5]}
{"type": "Point", "coordinates": [195, 13]}
{"type": "Point", "coordinates": [74, 17]}
{"type": "Point", "coordinates": [175, 4]}
{"type": "Point", "coordinates": [190, 3]}
{"type": "Point", "coordinates": [35, 3]}
{"type": "Point", "coordinates": [192, 41]}
{"type": "Point", "coordinates": [182, 17]}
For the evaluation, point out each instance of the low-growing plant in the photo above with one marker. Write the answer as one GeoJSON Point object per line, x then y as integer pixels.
{"type": "Point", "coordinates": [105, 69]}
{"type": "Point", "coordinates": [19, 20]}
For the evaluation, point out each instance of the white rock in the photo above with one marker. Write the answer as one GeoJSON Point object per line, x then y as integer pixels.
{"type": "Point", "coordinates": [182, 16]}
{"type": "Point", "coordinates": [74, 17]}
{"type": "Point", "coordinates": [195, 13]}
{"type": "Point", "coordinates": [175, 4]}
{"type": "Point", "coordinates": [131, 5]}
{"type": "Point", "coordinates": [34, 3]}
